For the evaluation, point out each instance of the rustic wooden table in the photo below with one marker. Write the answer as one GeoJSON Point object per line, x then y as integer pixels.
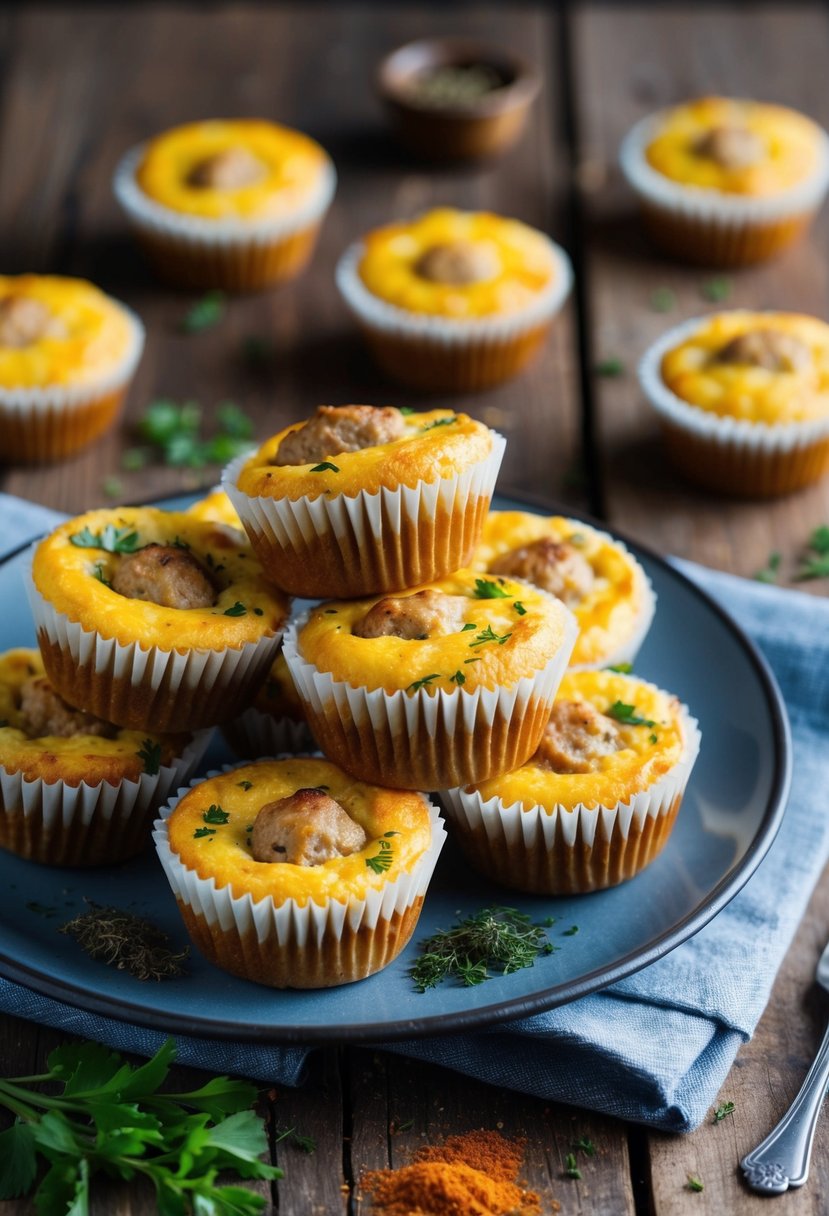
{"type": "Point", "coordinates": [80, 84]}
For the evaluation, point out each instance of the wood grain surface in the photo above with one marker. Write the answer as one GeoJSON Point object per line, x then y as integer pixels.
{"type": "Point", "coordinates": [80, 84]}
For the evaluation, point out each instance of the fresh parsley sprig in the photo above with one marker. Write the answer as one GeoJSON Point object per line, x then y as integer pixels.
{"type": "Point", "coordinates": [150, 754]}
{"type": "Point", "coordinates": [110, 539]}
{"type": "Point", "coordinates": [489, 635]}
{"type": "Point", "coordinates": [486, 589]}
{"type": "Point", "coordinates": [106, 1116]}
{"type": "Point", "coordinates": [816, 562]}
{"type": "Point", "coordinates": [627, 715]}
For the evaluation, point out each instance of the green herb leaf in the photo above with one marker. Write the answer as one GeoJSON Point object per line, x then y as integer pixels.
{"type": "Point", "coordinates": [112, 487]}
{"type": "Point", "coordinates": [18, 1160]}
{"type": "Point", "coordinates": [98, 573]}
{"type": "Point", "coordinates": [205, 313]}
{"type": "Point", "coordinates": [489, 635]}
{"type": "Point", "coordinates": [572, 931]}
{"type": "Point", "coordinates": [586, 1146]}
{"type": "Point", "coordinates": [458, 678]}
{"type": "Point", "coordinates": [200, 833]}
{"type": "Point", "coordinates": [133, 459]}
{"type": "Point", "coordinates": [819, 540]}
{"type": "Point", "coordinates": [430, 426]}
{"type": "Point", "coordinates": [423, 682]}
{"type": "Point", "coordinates": [519, 608]}
{"type": "Point", "coordinates": [716, 290]}
{"type": "Point", "coordinates": [770, 571]}
{"type": "Point", "coordinates": [622, 668]}
{"type": "Point", "coordinates": [323, 465]}
{"type": "Point", "coordinates": [405, 410]}
{"type": "Point", "coordinates": [236, 610]}
{"type": "Point", "coordinates": [499, 938]}
{"type": "Point", "coordinates": [695, 1183]}
{"type": "Point", "coordinates": [468, 626]}
{"type": "Point", "coordinates": [306, 1144]}
{"type": "Point", "coordinates": [215, 814]}
{"type": "Point", "coordinates": [571, 1168]}
{"type": "Point", "coordinates": [485, 589]}
{"type": "Point", "coordinates": [110, 539]}
{"type": "Point", "coordinates": [246, 785]}
{"type": "Point", "coordinates": [610, 367]}
{"type": "Point", "coordinates": [662, 300]}
{"type": "Point", "coordinates": [816, 566]}
{"type": "Point", "coordinates": [626, 714]}
{"type": "Point", "coordinates": [724, 1109]}
{"type": "Point", "coordinates": [150, 754]}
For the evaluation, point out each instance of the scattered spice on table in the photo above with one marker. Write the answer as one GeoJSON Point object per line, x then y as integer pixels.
{"type": "Point", "coordinates": [474, 1174]}
{"type": "Point", "coordinates": [126, 941]}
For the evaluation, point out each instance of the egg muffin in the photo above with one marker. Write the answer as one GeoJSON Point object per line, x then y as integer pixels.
{"type": "Point", "coordinates": [597, 800]}
{"type": "Point", "coordinates": [726, 182]}
{"type": "Point", "coordinates": [234, 204]}
{"type": "Point", "coordinates": [597, 578]}
{"type": "Point", "coordinates": [444, 684]}
{"type": "Point", "coordinates": [216, 508]}
{"type": "Point", "coordinates": [67, 356]}
{"type": "Point", "coordinates": [153, 619]}
{"type": "Point", "coordinates": [743, 400]}
{"type": "Point", "coordinates": [292, 874]}
{"type": "Point", "coordinates": [75, 790]}
{"type": "Point", "coordinates": [360, 499]}
{"type": "Point", "coordinates": [454, 300]}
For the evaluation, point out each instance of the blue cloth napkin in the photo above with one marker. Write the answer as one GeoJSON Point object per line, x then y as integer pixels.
{"type": "Point", "coordinates": [656, 1047]}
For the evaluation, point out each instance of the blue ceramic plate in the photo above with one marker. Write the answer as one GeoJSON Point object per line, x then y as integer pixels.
{"type": "Point", "coordinates": [729, 818]}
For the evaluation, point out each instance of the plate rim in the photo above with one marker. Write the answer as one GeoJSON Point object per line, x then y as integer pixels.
{"type": "Point", "coordinates": [478, 1016]}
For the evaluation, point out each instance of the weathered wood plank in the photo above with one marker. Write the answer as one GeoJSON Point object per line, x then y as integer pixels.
{"type": "Point", "coordinates": [630, 60]}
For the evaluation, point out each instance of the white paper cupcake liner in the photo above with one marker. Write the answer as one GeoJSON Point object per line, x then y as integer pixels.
{"type": "Point", "coordinates": [147, 688]}
{"type": "Point", "coordinates": [359, 544]}
{"type": "Point", "coordinates": [276, 937]}
{"type": "Point", "coordinates": [570, 850]}
{"type": "Point", "coordinates": [734, 434]}
{"type": "Point", "coordinates": [199, 231]}
{"type": "Point", "coordinates": [60, 824]}
{"type": "Point", "coordinates": [427, 739]}
{"type": "Point", "coordinates": [370, 310]}
{"type": "Point", "coordinates": [255, 734]}
{"type": "Point", "coordinates": [714, 206]}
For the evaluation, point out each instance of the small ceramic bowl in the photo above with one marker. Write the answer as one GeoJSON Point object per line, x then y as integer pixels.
{"type": "Point", "coordinates": [443, 123]}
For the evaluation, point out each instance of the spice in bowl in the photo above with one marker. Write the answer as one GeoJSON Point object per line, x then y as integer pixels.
{"type": "Point", "coordinates": [455, 84]}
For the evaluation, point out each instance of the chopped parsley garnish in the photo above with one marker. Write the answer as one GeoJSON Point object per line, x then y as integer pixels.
{"type": "Point", "coordinates": [695, 1183]}
{"type": "Point", "coordinates": [245, 785]}
{"type": "Point", "coordinates": [200, 832]}
{"type": "Point", "coordinates": [586, 1146]}
{"type": "Point", "coordinates": [501, 939]}
{"type": "Point", "coordinates": [610, 367]}
{"type": "Point", "coordinates": [150, 754]}
{"type": "Point", "coordinates": [205, 313]}
{"type": "Point", "coordinates": [323, 465]}
{"type": "Point", "coordinates": [519, 608]}
{"type": "Point", "coordinates": [133, 459]}
{"type": "Point", "coordinates": [623, 668]}
{"type": "Point", "coordinates": [236, 610]}
{"type": "Point", "coordinates": [715, 290]}
{"type": "Point", "coordinates": [430, 426]}
{"type": "Point", "coordinates": [469, 625]}
{"type": "Point", "coordinates": [485, 589]}
{"type": "Point", "coordinates": [626, 714]}
{"type": "Point", "coordinates": [816, 562]}
{"type": "Point", "coordinates": [98, 573]}
{"type": "Point", "coordinates": [662, 300]}
{"type": "Point", "coordinates": [112, 487]}
{"type": "Point", "coordinates": [111, 539]}
{"type": "Point", "coordinates": [653, 738]}
{"type": "Point", "coordinates": [474, 659]}
{"type": "Point", "coordinates": [306, 1144]}
{"type": "Point", "coordinates": [771, 570]}
{"type": "Point", "coordinates": [215, 814]}
{"type": "Point", "coordinates": [724, 1109]}
{"type": "Point", "coordinates": [571, 1168]}
{"type": "Point", "coordinates": [489, 635]}
{"type": "Point", "coordinates": [458, 678]}
{"type": "Point", "coordinates": [423, 682]}
{"type": "Point", "coordinates": [382, 861]}
{"type": "Point", "coordinates": [175, 430]}
{"type": "Point", "coordinates": [572, 931]}
{"type": "Point", "coordinates": [405, 410]}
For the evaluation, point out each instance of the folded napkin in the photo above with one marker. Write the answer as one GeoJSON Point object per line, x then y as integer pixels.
{"type": "Point", "coordinates": [656, 1047]}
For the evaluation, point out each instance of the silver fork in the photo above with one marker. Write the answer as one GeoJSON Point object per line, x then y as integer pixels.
{"type": "Point", "coordinates": [782, 1160]}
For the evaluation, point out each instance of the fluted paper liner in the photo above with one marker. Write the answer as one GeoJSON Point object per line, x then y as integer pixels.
{"type": "Point", "coordinates": [706, 224]}
{"type": "Point", "coordinates": [731, 454]}
{"type": "Point", "coordinates": [147, 688]}
{"type": "Point", "coordinates": [570, 851]}
{"type": "Point", "coordinates": [427, 739]}
{"type": "Point", "coordinates": [254, 734]}
{"type": "Point", "coordinates": [289, 945]}
{"type": "Point", "coordinates": [88, 825]}
{"type": "Point", "coordinates": [54, 420]}
{"type": "Point", "coordinates": [366, 543]}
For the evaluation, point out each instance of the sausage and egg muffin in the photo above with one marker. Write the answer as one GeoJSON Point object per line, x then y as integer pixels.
{"type": "Point", "coordinates": [439, 686]}
{"type": "Point", "coordinates": [292, 874]}
{"type": "Point", "coordinates": [75, 790]}
{"type": "Point", "coordinates": [597, 800]}
{"type": "Point", "coordinates": [154, 619]}
{"type": "Point", "coordinates": [594, 575]}
{"type": "Point", "coordinates": [360, 499]}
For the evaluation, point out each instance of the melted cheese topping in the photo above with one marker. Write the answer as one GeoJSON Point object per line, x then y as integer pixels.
{"type": "Point", "coordinates": [70, 577]}
{"type": "Point", "coordinates": [216, 508]}
{"type": "Point", "coordinates": [498, 646]}
{"type": "Point", "coordinates": [438, 443]}
{"type": "Point", "coordinates": [87, 758]}
{"type": "Point", "coordinates": [293, 166]}
{"type": "Point", "coordinates": [754, 394]}
{"type": "Point", "coordinates": [610, 612]}
{"type": "Point", "coordinates": [224, 853]}
{"type": "Point", "coordinates": [526, 266]}
{"type": "Point", "coordinates": [649, 752]}
{"type": "Point", "coordinates": [791, 144]}
{"type": "Point", "coordinates": [96, 335]}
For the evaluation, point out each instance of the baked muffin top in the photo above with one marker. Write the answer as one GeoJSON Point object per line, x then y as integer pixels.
{"type": "Point", "coordinates": [596, 577]}
{"type": "Point", "coordinates": [458, 264]}
{"type": "Point", "coordinates": [242, 169]}
{"type": "Point", "coordinates": [735, 147]}
{"type": "Point", "coordinates": [43, 737]}
{"type": "Point", "coordinates": [760, 367]}
{"type": "Point", "coordinates": [609, 737]}
{"type": "Point", "coordinates": [160, 578]}
{"type": "Point", "coordinates": [461, 632]}
{"type": "Point", "coordinates": [60, 331]}
{"type": "Point", "coordinates": [353, 448]}
{"type": "Point", "coordinates": [269, 830]}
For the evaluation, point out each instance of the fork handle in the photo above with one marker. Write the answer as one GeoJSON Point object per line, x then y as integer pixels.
{"type": "Point", "coordinates": [782, 1160]}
